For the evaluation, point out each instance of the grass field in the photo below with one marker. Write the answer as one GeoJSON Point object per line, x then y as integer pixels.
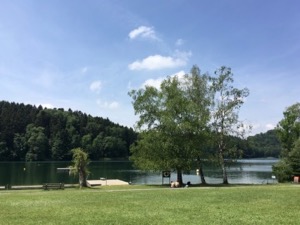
{"type": "Point", "coordinates": [268, 204]}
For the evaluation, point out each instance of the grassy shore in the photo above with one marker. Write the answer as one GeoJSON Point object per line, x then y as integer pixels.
{"type": "Point", "coordinates": [268, 204]}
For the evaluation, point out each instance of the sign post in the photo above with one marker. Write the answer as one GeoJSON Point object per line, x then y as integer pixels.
{"type": "Point", "coordinates": [166, 174]}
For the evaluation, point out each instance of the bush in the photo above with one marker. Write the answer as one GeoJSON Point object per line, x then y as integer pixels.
{"type": "Point", "coordinates": [283, 171]}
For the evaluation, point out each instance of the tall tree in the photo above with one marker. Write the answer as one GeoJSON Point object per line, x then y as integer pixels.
{"type": "Point", "coordinates": [288, 130]}
{"type": "Point", "coordinates": [113, 146]}
{"type": "Point", "coordinates": [172, 120]}
{"type": "Point", "coordinates": [60, 142]}
{"type": "Point", "coordinates": [37, 143]}
{"type": "Point", "coordinates": [80, 162]}
{"type": "Point", "coordinates": [20, 147]}
{"type": "Point", "coordinates": [294, 158]}
{"type": "Point", "coordinates": [225, 122]}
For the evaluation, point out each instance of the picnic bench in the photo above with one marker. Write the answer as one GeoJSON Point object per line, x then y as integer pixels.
{"type": "Point", "coordinates": [48, 186]}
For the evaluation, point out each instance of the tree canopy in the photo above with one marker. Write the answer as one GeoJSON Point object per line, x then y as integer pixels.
{"type": "Point", "coordinates": [172, 123]}
{"type": "Point", "coordinates": [288, 130]}
{"type": "Point", "coordinates": [80, 162]}
{"type": "Point", "coordinates": [225, 107]}
{"type": "Point", "coordinates": [36, 133]}
{"type": "Point", "coordinates": [262, 145]}
{"type": "Point", "coordinates": [180, 120]}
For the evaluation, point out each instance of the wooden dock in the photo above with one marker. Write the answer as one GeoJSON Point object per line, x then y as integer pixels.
{"type": "Point", "coordinates": [90, 183]}
{"type": "Point", "coordinates": [105, 182]}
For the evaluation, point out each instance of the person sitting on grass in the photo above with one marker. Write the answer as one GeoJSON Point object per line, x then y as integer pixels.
{"type": "Point", "coordinates": [174, 184]}
{"type": "Point", "coordinates": [188, 184]}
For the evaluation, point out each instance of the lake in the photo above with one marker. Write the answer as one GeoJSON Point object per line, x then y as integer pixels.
{"type": "Point", "coordinates": [248, 171]}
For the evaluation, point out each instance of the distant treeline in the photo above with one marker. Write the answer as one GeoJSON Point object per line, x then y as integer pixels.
{"type": "Point", "coordinates": [262, 145]}
{"type": "Point", "coordinates": [35, 133]}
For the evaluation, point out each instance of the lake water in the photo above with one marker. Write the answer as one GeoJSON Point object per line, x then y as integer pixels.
{"type": "Point", "coordinates": [250, 171]}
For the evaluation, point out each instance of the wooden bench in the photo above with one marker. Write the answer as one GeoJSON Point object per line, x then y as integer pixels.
{"type": "Point", "coordinates": [56, 186]}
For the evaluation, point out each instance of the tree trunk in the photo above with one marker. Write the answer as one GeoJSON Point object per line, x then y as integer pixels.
{"type": "Point", "coordinates": [222, 163]}
{"type": "Point", "coordinates": [201, 173]}
{"type": "Point", "coordinates": [225, 178]}
{"type": "Point", "coordinates": [82, 179]}
{"type": "Point", "coordinates": [179, 177]}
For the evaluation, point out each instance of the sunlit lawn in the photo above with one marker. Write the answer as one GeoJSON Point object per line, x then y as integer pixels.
{"type": "Point", "coordinates": [269, 204]}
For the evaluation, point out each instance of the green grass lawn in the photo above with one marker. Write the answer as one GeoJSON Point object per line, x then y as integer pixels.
{"type": "Point", "coordinates": [269, 204]}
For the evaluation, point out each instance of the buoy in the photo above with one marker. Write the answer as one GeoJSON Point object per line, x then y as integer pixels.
{"type": "Point", "coordinates": [24, 168]}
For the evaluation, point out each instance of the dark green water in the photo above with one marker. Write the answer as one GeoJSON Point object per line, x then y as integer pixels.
{"type": "Point", "coordinates": [253, 171]}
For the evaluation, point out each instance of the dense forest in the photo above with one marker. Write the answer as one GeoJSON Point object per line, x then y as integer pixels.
{"type": "Point", "coordinates": [262, 145]}
{"type": "Point", "coordinates": [35, 133]}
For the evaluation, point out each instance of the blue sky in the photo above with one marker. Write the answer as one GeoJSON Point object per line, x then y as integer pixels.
{"type": "Point", "coordinates": [87, 55]}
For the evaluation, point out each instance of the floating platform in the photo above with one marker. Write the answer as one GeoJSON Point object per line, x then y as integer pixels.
{"type": "Point", "coordinates": [64, 170]}
{"type": "Point", "coordinates": [105, 182]}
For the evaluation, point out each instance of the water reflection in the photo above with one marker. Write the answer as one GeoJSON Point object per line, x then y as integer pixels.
{"type": "Point", "coordinates": [253, 171]}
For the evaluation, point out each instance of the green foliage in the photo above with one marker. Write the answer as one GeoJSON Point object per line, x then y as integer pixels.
{"type": "Point", "coordinates": [20, 148]}
{"type": "Point", "coordinates": [113, 147]}
{"type": "Point", "coordinates": [156, 151]}
{"type": "Point", "coordinates": [34, 133]}
{"type": "Point", "coordinates": [37, 143]}
{"type": "Point", "coordinates": [61, 142]}
{"type": "Point", "coordinates": [80, 162]}
{"type": "Point", "coordinates": [173, 121]}
{"type": "Point", "coordinates": [288, 130]}
{"type": "Point", "coordinates": [4, 152]}
{"type": "Point", "coordinates": [147, 152]}
{"type": "Point", "coordinates": [283, 170]}
{"type": "Point", "coordinates": [226, 104]}
{"type": "Point", "coordinates": [294, 158]}
{"type": "Point", "coordinates": [263, 145]}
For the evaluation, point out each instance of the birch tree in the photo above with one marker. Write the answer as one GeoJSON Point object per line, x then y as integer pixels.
{"type": "Point", "coordinates": [225, 115]}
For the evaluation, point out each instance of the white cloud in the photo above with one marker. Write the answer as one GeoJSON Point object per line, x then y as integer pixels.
{"type": "Point", "coordinates": [96, 86]}
{"type": "Point", "coordinates": [156, 62]}
{"type": "Point", "coordinates": [261, 127]}
{"type": "Point", "coordinates": [108, 105]}
{"type": "Point", "coordinates": [143, 32]}
{"type": "Point", "coordinates": [47, 105]}
{"type": "Point", "coordinates": [157, 82]}
{"type": "Point", "coordinates": [179, 74]}
{"type": "Point", "coordinates": [84, 70]}
{"type": "Point", "coordinates": [270, 126]}
{"type": "Point", "coordinates": [113, 105]}
{"type": "Point", "coordinates": [179, 42]}
{"type": "Point", "coordinates": [153, 82]}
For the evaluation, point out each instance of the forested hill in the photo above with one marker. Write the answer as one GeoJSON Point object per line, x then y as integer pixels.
{"type": "Point", "coordinates": [262, 145]}
{"type": "Point", "coordinates": [35, 133]}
